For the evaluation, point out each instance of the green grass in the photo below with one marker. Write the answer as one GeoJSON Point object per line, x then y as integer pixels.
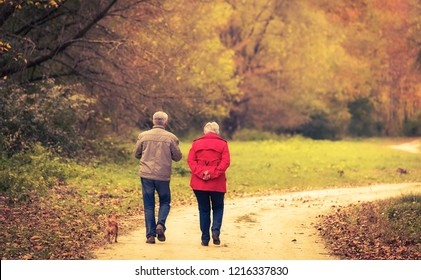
{"type": "Point", "coordinates": [293, 164]}
{"type": "Point", "coordinates": [301, 164]}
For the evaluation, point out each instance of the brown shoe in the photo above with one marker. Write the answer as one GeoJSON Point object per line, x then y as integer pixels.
{"type": "Point", "coordinates": [160, 232]}
{"type": "Point", "coordinates": [150, 240]}
{"type": "Point", "coordinates": [216, 240]}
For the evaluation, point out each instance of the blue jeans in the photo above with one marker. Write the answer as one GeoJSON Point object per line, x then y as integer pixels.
{"type": "Point", "coordinates": [148, 191]}
{"type": "Point", "coordinates": [207, 201]}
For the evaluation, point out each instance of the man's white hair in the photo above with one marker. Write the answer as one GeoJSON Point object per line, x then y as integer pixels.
{"type": "Point", "coordinates": [160, 118]}
{"type": "Point", "coordinates": [211, 127]}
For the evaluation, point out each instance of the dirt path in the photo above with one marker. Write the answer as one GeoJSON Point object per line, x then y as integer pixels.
{"type": "Point", "coordinates": [411, 147]}
{"type": "Point", "coordinates": [278, 227]}
{"type": "Point", "coordinates": [256, 228]}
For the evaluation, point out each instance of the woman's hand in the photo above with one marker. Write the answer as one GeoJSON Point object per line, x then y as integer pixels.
{"type": "Point", "coordinates": [206, 175]}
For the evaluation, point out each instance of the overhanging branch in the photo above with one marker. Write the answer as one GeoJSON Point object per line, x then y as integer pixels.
{"type": "Point", "coordinates": [15, 68]}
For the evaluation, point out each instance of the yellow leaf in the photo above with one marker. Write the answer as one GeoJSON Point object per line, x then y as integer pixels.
{"type": "Point", "coordinates": [36, 237]}
{"type": "Point", "coordinates": [27, 257]}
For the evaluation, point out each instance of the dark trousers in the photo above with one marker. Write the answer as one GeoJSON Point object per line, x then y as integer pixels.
{"type": "Point", "coordinates": [148, 191]}
{"type": "Point", "coordinates": [207, 201]}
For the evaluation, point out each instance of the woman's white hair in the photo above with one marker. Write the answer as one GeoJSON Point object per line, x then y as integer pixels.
{"type": "Point", "coordinates": [211, 127]}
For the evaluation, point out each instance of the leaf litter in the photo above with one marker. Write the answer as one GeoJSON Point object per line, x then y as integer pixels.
{"type": "Point", "coordinates": [382, 230]}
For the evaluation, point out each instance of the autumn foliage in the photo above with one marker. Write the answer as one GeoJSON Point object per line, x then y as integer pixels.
{"type": "Point", "coordinates": [74, 72]}
{"type": "Point", "coordinates": [57, 225]}
{"type": "Point", "coordinates": [278, 66]}
{"type": "Point", "coordinates": [384, 230]}
{"type": "Point", "coordinates": [52, 229]}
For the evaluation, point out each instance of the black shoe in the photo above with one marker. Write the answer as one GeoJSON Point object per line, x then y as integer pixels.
{"type": "Point", "coordinates": [216, 240]}
{"type": "Point", "coordinates": [150, 240]}
{"type": "Point", "coordinates": [205, 243]}
{"type": "Point", "coordinates": [160, 232]}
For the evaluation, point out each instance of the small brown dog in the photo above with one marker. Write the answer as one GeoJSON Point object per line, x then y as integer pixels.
{"type": "Point", "coordinates": [112, 227]}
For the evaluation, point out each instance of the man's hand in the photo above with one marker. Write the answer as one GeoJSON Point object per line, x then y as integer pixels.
{"type": "Point", "coordinates": [206, 175]}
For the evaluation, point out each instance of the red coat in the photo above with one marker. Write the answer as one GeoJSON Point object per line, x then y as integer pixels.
{"type": "Point", "coordinates": [209, 152]}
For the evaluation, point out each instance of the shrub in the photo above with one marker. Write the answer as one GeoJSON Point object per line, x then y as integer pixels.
{"type": "Point", "coordinates": [42, 113]}
{"type": "Point", "coordinates": [362, 121]}
{"type": "Point", "coordinates": [25, 172]}
{"type": "Point", "coordinates": [412, 127]}
{"type": "Point", "coordinates": [319, 127]}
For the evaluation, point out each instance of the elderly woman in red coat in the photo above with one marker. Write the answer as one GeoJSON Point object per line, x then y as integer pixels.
{"type": "Point", "coordinates": [208, 160]}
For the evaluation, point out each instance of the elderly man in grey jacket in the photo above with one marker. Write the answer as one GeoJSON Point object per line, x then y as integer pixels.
{"type": "Point", "coordinates": [156, 149]}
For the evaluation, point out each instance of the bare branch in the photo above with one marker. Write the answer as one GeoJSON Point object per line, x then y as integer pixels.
{"type": "Point", "coordinates": [14, 68]}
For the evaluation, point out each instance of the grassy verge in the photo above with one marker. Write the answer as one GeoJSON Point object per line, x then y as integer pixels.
{"type": "Point", "coordinates": [300, 164]}
{"type": "Point", "coordinates": [63, 218]}
{"type": "Point", "coordinates": [382, 230]}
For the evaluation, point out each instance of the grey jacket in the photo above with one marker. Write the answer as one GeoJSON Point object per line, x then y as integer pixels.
{"type": "Point", "coordinates": [156, 149]}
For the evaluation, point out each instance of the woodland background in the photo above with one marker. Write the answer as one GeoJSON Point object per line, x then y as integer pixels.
{"type": "Point", "coordinates": [79, 79]}
{"type": "Point", "coordinates": [73, 71]}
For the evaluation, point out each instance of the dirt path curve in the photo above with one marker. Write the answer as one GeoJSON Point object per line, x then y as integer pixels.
{"type": "Point", "coordinates": [255, 228]}
{"type": "Point", "coordinates": [413, 146]}
{"type": "Point", "coordinates": [280, 227]}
